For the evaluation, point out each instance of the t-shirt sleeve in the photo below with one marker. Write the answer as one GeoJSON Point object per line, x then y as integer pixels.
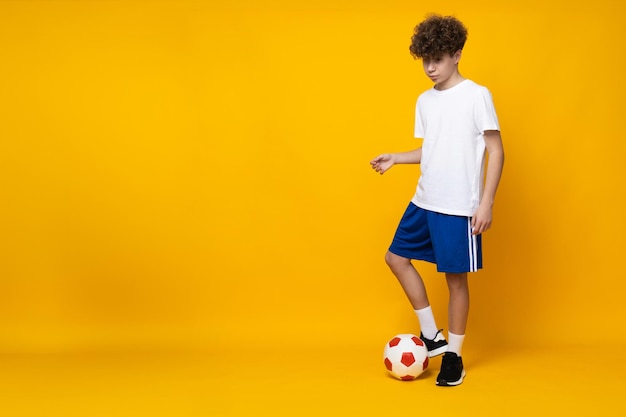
{"type": "Point", "coordinates": [485, 115]}
{"type": "Point", "coordinates": [419, 124]}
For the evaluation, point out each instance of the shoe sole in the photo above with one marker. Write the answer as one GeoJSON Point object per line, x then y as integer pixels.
{"type": "Point", "coordinates": [453, 383]}
{"type": "Point", "coordinates": [439, 351]}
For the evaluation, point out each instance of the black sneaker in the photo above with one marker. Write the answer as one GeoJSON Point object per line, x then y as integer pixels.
{"type": "Point", "coordinates": [436, 346]}
{"type": "Point", "coordinates": [452, 372]}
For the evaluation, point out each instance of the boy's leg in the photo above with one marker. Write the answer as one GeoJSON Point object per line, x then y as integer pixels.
{"type": "Point", "coordinates": [411, 241]}
{"type": "Point", "coordinates": [458, 305]}
{"type": "Point", "coordinates": [414, 288]}
{"type": "Point", "coordinates": [452, 371]}
{"type": "Point", "coordinates": [409, 279]}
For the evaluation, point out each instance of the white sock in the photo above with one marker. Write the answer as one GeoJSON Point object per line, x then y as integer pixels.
{"type": "Point", "coordinates": [427, 322]}
{"type": "Point", "coordinates": [455, 342]}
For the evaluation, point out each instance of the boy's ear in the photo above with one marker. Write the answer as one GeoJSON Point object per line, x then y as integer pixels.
{"type": "Point", "coordinates": [457, 56]}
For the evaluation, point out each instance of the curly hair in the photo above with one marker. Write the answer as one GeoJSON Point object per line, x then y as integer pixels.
{"type": "Point", "coordinates": [436, 36]}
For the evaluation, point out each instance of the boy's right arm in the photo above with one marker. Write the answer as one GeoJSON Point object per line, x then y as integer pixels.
{"type": "Point", "coordinates": [382, 163]}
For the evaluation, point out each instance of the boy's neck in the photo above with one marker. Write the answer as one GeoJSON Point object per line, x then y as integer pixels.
{"type": "Point", "coordinates": [454, 79]}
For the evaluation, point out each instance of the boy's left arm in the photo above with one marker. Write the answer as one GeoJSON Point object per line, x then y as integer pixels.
{"type": "Point", "coordinates": [481, 220]}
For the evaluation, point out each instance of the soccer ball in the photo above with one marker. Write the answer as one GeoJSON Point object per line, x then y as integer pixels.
{"type": "Point", "coordinates": [406, 357]}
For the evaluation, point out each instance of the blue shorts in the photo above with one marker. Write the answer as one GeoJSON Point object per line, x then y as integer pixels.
{"type": "Point", "coordinates": [442, 239]}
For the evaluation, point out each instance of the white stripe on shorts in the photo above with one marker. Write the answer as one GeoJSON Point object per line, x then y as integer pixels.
{"type": "Point", "coordinates": [473, 247]}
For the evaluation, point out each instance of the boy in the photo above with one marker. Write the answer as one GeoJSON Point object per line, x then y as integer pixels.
{"type": "Point", "coordinates": [453, 203]}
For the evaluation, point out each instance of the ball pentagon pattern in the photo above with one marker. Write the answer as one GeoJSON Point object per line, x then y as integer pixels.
{"type": "Point", "coordinates": [405, 357]}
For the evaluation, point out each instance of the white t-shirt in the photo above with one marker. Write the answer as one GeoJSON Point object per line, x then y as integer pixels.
{"type": "Point", "coordinates": [452, 123]}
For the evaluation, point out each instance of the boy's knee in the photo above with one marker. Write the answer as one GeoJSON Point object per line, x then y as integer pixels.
{"type": "Point", "coordinates": [457, 281]}
{"type": "Point", "coordinates": [395, 261]}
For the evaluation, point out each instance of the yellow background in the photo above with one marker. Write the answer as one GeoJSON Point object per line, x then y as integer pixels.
{"type": "Point", "coordinates": [195, 175]}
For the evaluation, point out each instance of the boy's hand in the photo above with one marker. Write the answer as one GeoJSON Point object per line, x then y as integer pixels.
{"type": "Point", "coordinates": [481, 220]}
{"type": "Point", "coordinates": [382, 163]}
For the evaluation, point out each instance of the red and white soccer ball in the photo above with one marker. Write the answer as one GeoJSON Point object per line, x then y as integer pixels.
{"type": "Point", "coordinates": [406, 357]}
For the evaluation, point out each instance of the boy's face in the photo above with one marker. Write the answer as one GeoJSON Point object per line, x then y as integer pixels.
{"type": "Point", "coordinates": [442, 69]}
